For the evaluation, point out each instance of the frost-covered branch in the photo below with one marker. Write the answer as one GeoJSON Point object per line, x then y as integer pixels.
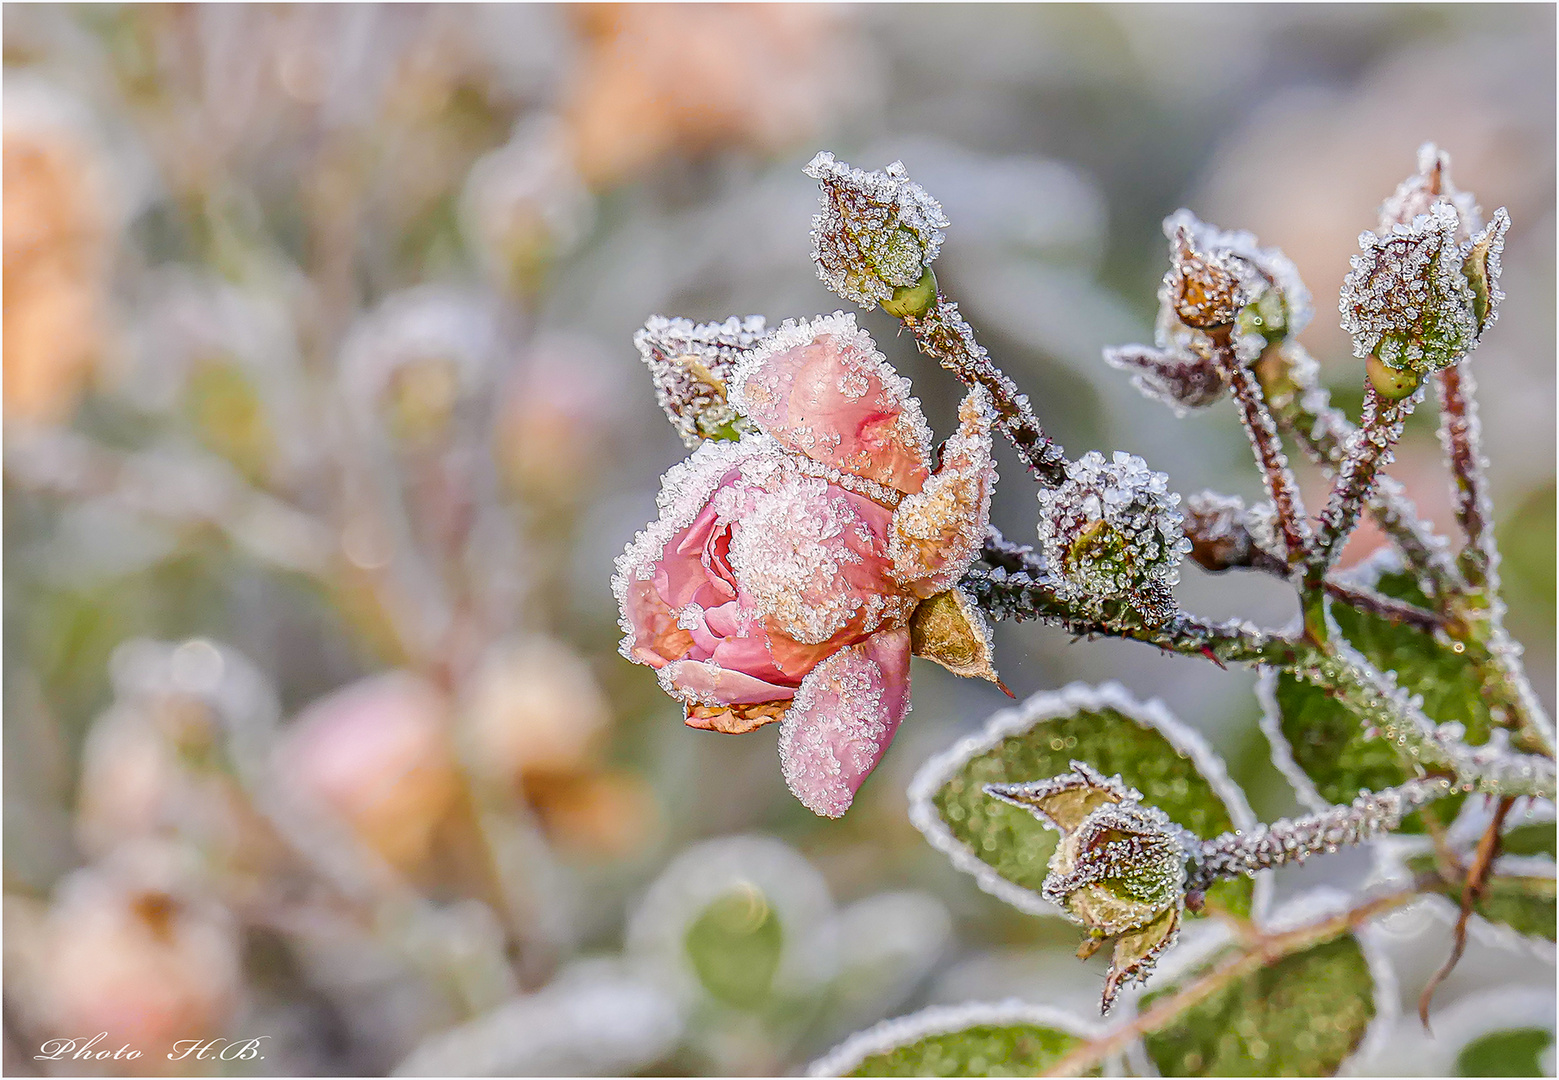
{"type": "Point", "coordinates": [1278, 478]}
{"type": "Point", "coordinates": [1461, 436]}
{"type": "Point", "coordinates": [1295, 840]}
{"type": "Point", "coordinates": [1367, 452]}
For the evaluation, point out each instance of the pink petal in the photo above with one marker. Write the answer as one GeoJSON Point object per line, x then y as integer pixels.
{"type": "Point", "coordinates": [823, 389]}
{"type": "Point", "coordinates": [843, 719]}
{"type": "Point", "coordinates": [698, 682]}
{"type": "Point", "coordinates": [938, 531]}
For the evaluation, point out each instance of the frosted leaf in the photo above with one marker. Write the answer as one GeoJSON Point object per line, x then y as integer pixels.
{"type": "Point", "coordinates": [1063, 801]}
{"type": "Point", "coordinates": [845, 714]}
{"type": "Point", "coordinates": [1218, 278]}
{"type": "Point", "coordinates": [1416, 298]}
{"type": "Point", "coordinates": [1430, 184]}
{"type": "Point", "coordinates": [821, 387]}
{"type": "Point", "coordinates": [691, 367]}
{"type": "Point", "coordinates": [1183, 380]}
{"type": "Point", "coordinates": [1112, 533]}
{"type": "Point", "coordinates": [878, 231]}
{"type": "Point", "coordinates": [940, 530]}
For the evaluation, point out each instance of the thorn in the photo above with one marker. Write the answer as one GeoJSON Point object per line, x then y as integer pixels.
{"type": "Point", "coordinates": [1006, 691]}
{"type": "Point", "coordinates": [1208, 652]}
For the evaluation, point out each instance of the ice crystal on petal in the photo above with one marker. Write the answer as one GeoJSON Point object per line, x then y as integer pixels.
{"type": "Point", "coordinates": [938, 531]}
{"type": "Point", "coordinates": [877, 231]}
{"type": "Point", "coordinates": [821, 387]}
{"type": "Point", "coordinates": [844, 716]}
{"type": "Point", "coordinates": [691, 367]}
{"type": "Point", "coordinates": [1183, 380]}
{"type": "Point", "coordinates": [1112, 534]}
{"type": "Point", "coordinates": [1407, 300]}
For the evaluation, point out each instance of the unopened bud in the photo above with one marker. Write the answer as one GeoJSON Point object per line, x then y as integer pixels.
{"type": "Point", "coordinates": [1429, 185]}
{"type": "Point", "coordinates": [1119, 869]}
{"type": "Point", "coordinates": [1111, 535]}
{"type": "Point", "coordinates": [691, 366]}
{"type": "Point", "coordinates": [1223, 280]}
{"type": "Point", "coordinates": [1416, 298]}
{"type": "Point", "coordinates": [876, 237]}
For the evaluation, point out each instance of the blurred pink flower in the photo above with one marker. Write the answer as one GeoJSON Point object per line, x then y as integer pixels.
{"type": "Point", "coordinates": [779, 580]}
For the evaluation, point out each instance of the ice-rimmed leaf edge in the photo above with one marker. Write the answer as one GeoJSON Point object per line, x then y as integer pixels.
{"type": "Point", "coordinates": [1046, 705]}
{"type": "Point", "coordinates": [936, 1020]}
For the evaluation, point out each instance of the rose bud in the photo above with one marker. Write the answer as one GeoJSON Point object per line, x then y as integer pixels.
{"type": "Point", "coordinates": [1111, 535]}
{"type": "Point", "coordinates": [1119, 869]}
{"type": "Point", "coordinates": [690, 367]}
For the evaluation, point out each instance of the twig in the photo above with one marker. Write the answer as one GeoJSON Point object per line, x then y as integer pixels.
{"type": "Point", "coordinates": [1260, 951]}
{"type": "Point", "coordinates": [1477, 878]}
{"type": "Point", "coordinates": [1281, 486]}
{"type": "Point", "coordinates": [1368, 450]}
{"type": "Point", "coordinates": [943, 334]}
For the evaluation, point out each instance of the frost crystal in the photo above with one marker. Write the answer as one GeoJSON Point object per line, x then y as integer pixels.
{"type": "Point", "coordinates": [1426, 286]}
{"type": "Point", "coordinates": [878, 231]}
{"type": "Point", "coordinates": [1183, 380]}
{"type": "Point", "coordinates": [1430, 184]}
{"type": "Point", "coordinates": [691, 366]}
{"type": "Point", "coordinates": [1224, 279]}
{"type": "Point", "coordinates": [1112, 533]}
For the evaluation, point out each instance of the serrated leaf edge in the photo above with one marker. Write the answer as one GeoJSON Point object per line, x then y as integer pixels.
{"type": "Point", "coordinates": [1052, 705]}
{"type": "Point", "coordinates": [1308, 907]}
{"type": "Point", "coordinates": [889, 1035]}
{"type": "Point", "coordinates": [1390, 870]}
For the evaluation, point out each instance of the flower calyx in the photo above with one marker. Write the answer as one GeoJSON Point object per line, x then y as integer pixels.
{"type": "Point", "coordinates": [691, 366]}
{"type": "Point", "coordinates": [1119, 870]}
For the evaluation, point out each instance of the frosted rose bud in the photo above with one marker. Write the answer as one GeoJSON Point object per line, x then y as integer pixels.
{"type": "Point", "coordinates": [378, 754]}
{"type": "Point", "coordinates": [1224, 280]}
{"type": "Point", "coordinates": [876, 237]}
{"type": "Point", "coordinates": [1119, 869]}
{"type": "Point", "coordinates": [1111, 537]}
{"type": "Point", "coordinates": [691, 366]}
{"type": "Point", "coordinates": [1430, 184]}
{"type": "Point", "coordinates": [779, 580]}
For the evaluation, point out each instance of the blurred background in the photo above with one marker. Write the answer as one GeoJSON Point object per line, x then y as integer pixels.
{"type": "Point", "coordinates": [323, 427]}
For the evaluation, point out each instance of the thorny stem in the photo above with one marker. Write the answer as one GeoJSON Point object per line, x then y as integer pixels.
{"type": "Point", "coordinates": [1304, 411]}
{"type": "Point", "coordinates": [1275, 473]}
{"type": "Point", "coordinates": [943, 333]}
{"type": "Point", "coordinates": [1257, 952]}
{"type": "Point", "coordinates": [1295, 840]}
{"type": "Point", "coordinates": [1368, 450]}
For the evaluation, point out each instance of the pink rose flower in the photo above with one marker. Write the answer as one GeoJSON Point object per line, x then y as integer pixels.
{"type": "Point", "coordinates": [780, 578]}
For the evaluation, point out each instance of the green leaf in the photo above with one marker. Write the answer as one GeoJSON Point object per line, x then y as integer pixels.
{"type": "Point", "coordinates": [1534, 838]}
{"type": "Point", "coordinates": [735, 947]}
{"type": "Point", "coordinates": [1007, 849]}
{"type": "Point", "coordinates": [1303, 1015]}
{"type": "Point", "coordinates": [1505, 1053]}
{"type": "Point", "coordinates": [1322, 747]}
{"type": "Point", "coordinates": [1009, 1039]}
{"type": "Point", "coordinates": [1523, 902]}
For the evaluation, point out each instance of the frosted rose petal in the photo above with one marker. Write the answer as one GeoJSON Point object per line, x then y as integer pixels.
{"type": "Point", "coordinates": [823, 389]}
{"type": "Point", "coordinates": [844, 716]}
{"type": "Point", "coordinates": [938, 531]}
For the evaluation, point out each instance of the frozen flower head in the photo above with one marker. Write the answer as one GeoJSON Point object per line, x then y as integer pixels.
{"type": "Point", "coordinates": [1417, 300]}
{"type": "Point", "coordinates": [1222, 281]}
{"type": "Point", "coordinates": [1119, 869]}
{"type": "Point", "coordinates": [779, 581]}
{"type": "Point", "coordinates": [1111, 536]}
{"type": "Point", "coordinates": [691, 366]}
{"type": "Point", "coordinates": [876, 237]}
